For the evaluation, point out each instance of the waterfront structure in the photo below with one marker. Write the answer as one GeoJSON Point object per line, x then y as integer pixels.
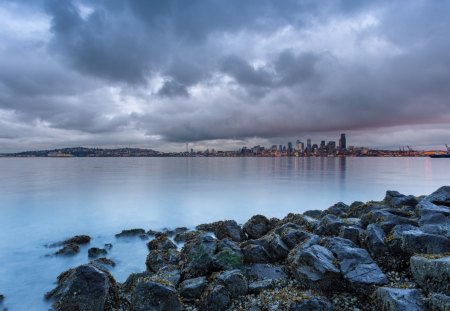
{"type": "Point", "coordinates": [343, 142]}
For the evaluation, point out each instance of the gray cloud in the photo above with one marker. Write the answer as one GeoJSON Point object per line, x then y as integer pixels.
{"type": "Point", "coordinates": [173, 71]}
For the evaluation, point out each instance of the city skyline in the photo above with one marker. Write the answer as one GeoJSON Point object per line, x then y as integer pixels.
{"type": "Point", "coordinates": [160, 74]}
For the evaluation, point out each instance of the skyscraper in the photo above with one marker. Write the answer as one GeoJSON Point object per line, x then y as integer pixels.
{"type": "Point", "coordinates": [308, 144]}
{"type": "Point", "coordinates": [343, 142]}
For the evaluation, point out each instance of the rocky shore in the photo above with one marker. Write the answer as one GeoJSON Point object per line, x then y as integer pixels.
{"type": "Point", "coordinates": [379, 255]}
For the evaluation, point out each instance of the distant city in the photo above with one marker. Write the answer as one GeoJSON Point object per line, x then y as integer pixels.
{"type": "Point", "coordinates": [299, 149]}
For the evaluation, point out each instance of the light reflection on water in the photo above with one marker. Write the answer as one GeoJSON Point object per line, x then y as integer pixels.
{"type": "Point", "coordinates": [43, 200]}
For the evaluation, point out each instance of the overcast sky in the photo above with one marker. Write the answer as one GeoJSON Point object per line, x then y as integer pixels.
{"type": "Point", "coordinates": [223, 73]}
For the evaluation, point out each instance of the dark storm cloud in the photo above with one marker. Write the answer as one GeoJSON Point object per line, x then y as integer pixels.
{"type": "Point", "coordinates": [179, 71]}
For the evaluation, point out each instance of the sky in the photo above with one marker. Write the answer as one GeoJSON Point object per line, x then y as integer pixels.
{"type": "Point", "coordinates": [223, 74]}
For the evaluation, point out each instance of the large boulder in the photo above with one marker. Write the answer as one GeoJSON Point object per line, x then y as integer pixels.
{"type": "Point", "coordinates": [192, 288]}
{"type": "Point", "coordinates": [439, 302]}
{"type": "Point", "coordinates": [440, 197]}
{"type": "Point", "coordinates": [197, 256]}
{"type": "Point", "coordinates": [161, 242]}
{"type": "Point", "coordinates": [85, 288]}
{"type": "Point", "coordinates": [158, 259]}
{"type": "Point", "coordinates": [68, 250]}
{"type": "Point", "coordinates": [292, 234]}
{"type": "Point", "coordinates": [396, 199]}
{"type": "Point", "coordinates": [306, 222]}
{"type": "Point", "coordinates": [375, 240]}
{"type": "Point", "coordinates": [339, 209]}
{"type": "Point", "coordinates": [330, 225]}
{"type": "Point", "coordinates": [216, 298]}
{"type": "Point", "coordinates": [234, 281]}
{"type": "Point", "coordinates": [255, 253]}
{"type": "Point", "coordinates": [257, 226]}
{"type": "Point", "coordinates": [388, 218]}
{"type": "Point", "coordinates": [130, 233]}
{"type": "Point", "coordinates": [228, 256]}
{"type": "Point", "coordinates": [154, 296]}
{"type": "Point", "coordinates": [95, 252]}
{"type": "Point", "coordinates": [398, 299]}
{"type": "Point", "coordinates": [432, 273]}
{"type": "Point", "coordinates": [352, 233]}
{"type": "Point", "coordinates": [224, 229]}
{"type": "Point", "coordinates": [356, 265]}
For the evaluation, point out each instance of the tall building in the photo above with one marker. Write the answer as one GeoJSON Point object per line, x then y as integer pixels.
{"type": "Point", "coordinates": [308, 144]}
{"type": "Point", "coordinates": [331, 147]}
{"type": "Point", "coordinates": [290, 149]}
{"type": "Point", "coordinates": [342, 142]}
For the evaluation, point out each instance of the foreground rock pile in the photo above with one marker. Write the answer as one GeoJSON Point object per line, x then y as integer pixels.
{"type": "Point", "coordinates": [387, 255]}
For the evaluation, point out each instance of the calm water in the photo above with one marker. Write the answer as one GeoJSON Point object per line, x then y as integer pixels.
{"type": "Point", "coordinates": [44, 200]}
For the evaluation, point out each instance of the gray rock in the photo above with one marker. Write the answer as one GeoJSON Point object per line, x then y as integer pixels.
{"type": "Point", "coordinates": [265, 272]}
{"type": "Point", "coordinates": [78, 239]}
{"type": "Point", "coordinates": [197, 256]}
{"type": "Point", "coordinates": [153, 296]}
{"type": "Point", "coordinates": [432, 273]}
{"type": "Point", "coordinates": [85, 288]}
{"type": "Point", "coordinates": [314, 266]}
{"type": "Point", "coordinates": [440, 197]}
{"type": "Point", "coordinates": [229, 255]}
{"type": "Point", "coordinates": [375, 240]}
{"type": "Point", "coordinates": [439, 302]}
{"type": "Point", "coordinates": [254, 253]}
{"type": "Point", "coordinates": [394, 239]}
{"type": "Point", "coordinates": [217, 298]}
{"type": "Point", "coordinates": [224, 229]}
{"type": "Point", "coordinates": [192, 288]}
{"type": "Point", "coordinates": [130, 233]}
{"type": "Point", "coordinates": [330, 225]}
{"type": "Point", "coordinates": [351, 233]}
{"type": "Point", "coordinates": [170, 274]}
{"type": "Point", "coordinates": [234, 281]}
{"type": "Point", "coordinates": [314, 303]}
{"type": "Point", "coordinates": [397, 200]}
{"type": "Point", "coordinates": [388, 218]}
{"type": "Point", "coordinates": [187, 236]}
{"type": "Point", "coordinates": [161, 242]}
{"type": "Point", "coordinates": [68, 250]}
{"type": "Point", "coordinates": [418, 242]}
{"type": "Point", "coordinates": [292, 234]}
{"type": "Point", "coordinates": [356, 265]}
{"type": "Point", "coordinates": [158, 259]}
{"type": "Point", "coordinates": [316, 214]}
{"type": "Point", "coordinates": [398, 299]}
{"type": "Point", "coordinates": [103, 263]}
{"type": "Point", "coordinates": [278, 250]}
{"type": "Point", "coordinates": [258, 286]}
{"type": "Point", "coordinates": [257, 226]}
{"type": "Point", "coordinates": [307, 223]}
{"type": "Point", "coordinates": [95, 252]}
{"type": "Point", "coordinates": [339, 209]}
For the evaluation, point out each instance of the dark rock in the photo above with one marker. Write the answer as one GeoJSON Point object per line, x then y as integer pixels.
{"type": "Point", "coordinates": [314, 266]}
{"type": "Point", "coordinates": [108, 246]}
{"type": "Point", "coordinates": [153, 233]}
{"type": "Point", "coordinates": [224, 229]}
{"type": "Point", "coordinates": [307, 223]}
{"type": "Point", "coordinates": [95, 252]}
{"type": "Point", "coordinates": [153, 296]}
{"type": "Point", "coordinates": [192, 288]}
{"type": "Point", "coordinates": [229, 255]}
{"type": "Point", "coordinates": [78, 239]}
{"type": "Point", "coordinates": [68, 250]}
{"type": "Point", "coordinates": [157, 259]}
{"type": "Point", "coordinates": [265, 272]}
{"type": "Point", "coordinates": [234, 281]}
{"type": "Point", "coordinates": [103, 263]}
{"type": "Point", "coordinates": [170, 274]}
{"type": "Point", "coordinates": [440, 197]}
{"type": "Point", "coordinates": [217, 298]}
{"type": "Point", "coordinates": [432, 273]}
{"type": "Point", "coordinates": [258, 286]}
{"type": "Point", "coordinates": [175, 231]}
{"type": "Point", "coordinates": [292, 234]}
{"type": "Point", "coordinates": [254, 253]}
{"type": "Point", "coordinates": [330, 225]}
{"type": "Point", "coordinates": [351, 233]}
{"type": "Point", "coordinates": [278, 250]}
{"type": "Point", "coordinates": [161, 243]}
{"type": "Point", "coordinates": [375, 240]}
{"type": "Point", "coordinates": [397, 200]}
{"type": "Point", "coordinates": [187, 236]}
{"type": "Point", "coordinates": [356, 265]}
{"type": "Point", "coordinates": [388, 218]}
{"type": "Point", "coordinates": [314, 303]}
{"type": "Point", "coordinates": [398, 299]}
{"type": "Point", "coordinates": [257, 226]}
{"type": "Point", "coordinates": [339, 209]}
{"type": "Point", "coordinates": [198, 256]}
{"type": "Point", "coordinates": [85, 288]}
{"type": "Point", "coordinates": [439, 302]}
{"type": "Point", "coordinates": [130, 233]}
{"type": "Point", "coordinates": [2, 298]}
{"type": "Point", "coordinates": [316, 214]}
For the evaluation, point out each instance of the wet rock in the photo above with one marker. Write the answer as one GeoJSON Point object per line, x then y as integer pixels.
{"type": "Point", "coordinates": [78, 239]}
{"type": "Point", "coordinates": [339, 209]}
{"type": "Point", "coordinates": [388, 218]}
{"type": "Point", "coordinates": [192, 288]}
{"type": "Point", "coordinates": [108, 246]}
{"type": "Point", "coordinates": [217, 298]}
{"type": "Point", "coordinates": [265, 272]}
{"type": "Point", "coordinates": [375, 240]}
{"type": "Point", "coordinates": [224, 229]}
{"type": "Point", "coordinates": [154, 296]}
{"type": "Point", "coordinates": [229, 255]}
{"type": "Point", "coordinates": [187, 236]}
{"type": "Point", "coordinates": [316, 214]}
{"type": "Point", "coordinates": [258, 286]}
{"type": "Point", "coordinates": [314, 303]}
{"type": "Point", "coordinates": [330, 225]}
{"type": "Point", "coordinates": [130, 233]}
{"type": "Point", "coordinates": [439, 302]}
{"type": "Point", "coordinates": [95, 252]}
{"type": "Point", "coordinates": [314, 266]}
{"type": "Point", "coordinates": [153, 233]}
{"type": "Point", "coordinates": [254, 253]}
{"type": "Point", "coordinates": [356, 265]}
{"type": "Point", "coordinates": [158, 259]}
{"type": "Point", "coordinates": [351, 233]}
{"type": "Point", "coordinates": [85, 288]}
{"type": "Point", "coordinates": [432, 273]}
{"type": "Point", "coordinates": [68, 250]}
{"type": "Point", "coordinates": [234, 281]}
{"type": "Point", "coordinates": [175, 231]}
{"type": "Point", "coordinates": [2, 298]}
{"type": "Point", "coordinates": [197, 256]}
{"type": "Point", "coordinates": [257, 226]}
{"type": "Point", "coordinates": [398, 299]}
{"type": "Point", "coordinates": [306, 222]}
{"type": "Point", "coordinates": [292, 234]}
{"type": "Point", "coordinates": [278, 250]}
{"type": "Point", "coordinates": [170, 274]}
{"type": "Point", "coordinates": [103, 263]}
{"type": "Point", "coordinates": [161, 243]}
{"type": "Point", "coordinates": [396, 199]}
{"type": "Point", "coordinates": [440, 197]}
